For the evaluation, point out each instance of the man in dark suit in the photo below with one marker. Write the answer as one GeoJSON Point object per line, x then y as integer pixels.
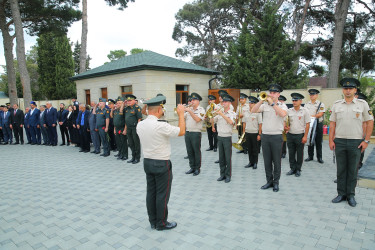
{"type": "Point", "coordinates": [1, 131]}
{"type": "Point", "coordinates": [17, 123]}
{"type": "Point", "coordinates": [34, 121]}
{"type": "Point", "coordinates": [50, 123]}
{"type": "Point", "coordinates": [84, 128]}
{"type": "Point", "coordinates": [61, 118]}
{"type": "Point", "coordinates": [6, 126]}
{"type": "Point", "coordinates": [43, 129]}
{"type": "Point", "coordinates": [27, 125]}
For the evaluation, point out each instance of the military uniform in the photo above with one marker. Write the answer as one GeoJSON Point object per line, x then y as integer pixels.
{"type": "Point", "coordinates": [282, 99]}
{"type": "Point", "coordinates": [154, 136]}
{"type": "Point", "coordinates": [121, 139]}
{"type": "Point", "coordinates": [101, 116]}
{"type": "Point", "coordinates": [315, 108]}
{"type": "Point", "coordinates": [347, 136]}
{"type": "Point", "coordinates": [212, 136]}
{"type": "Point", "coordinates": [193, 137]}
{"type": "Point", "coordinates": [298, 120]}
{"type": "Point", "coordinates": [244, 110]}
{"type": "Point", "coordinates": [132, 115]}
{"type": "Point", "coordinates": [224, 139]}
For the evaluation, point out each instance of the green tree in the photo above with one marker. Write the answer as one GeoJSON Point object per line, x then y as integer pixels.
{"type": "Point", "coordinates": [136, 51]}
{"type": "Point", "coordinates": [76, 54]}
{"type": "Point", "coordinates": [116, 54]}
{"type": "Point", "coordinates": [64, 68]}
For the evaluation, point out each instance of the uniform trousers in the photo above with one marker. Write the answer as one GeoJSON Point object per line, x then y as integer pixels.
{"type": "Point", "coordinates": [112, 142]}
{"type": "Point", "coordinates": [64, 132]}
{"type": "Point", "coordinates": [134, 142]}
{"type": "Point", "coordinates": [318, 142]}
{"type": "Point", "coordinates": [159, 181]}
{"type": "Point", "coordinates": [18, 132]}
{"type": "Point", "coordinates": [212, 137]}
{"type": "Point", "coordinates": [35, 135]}
{"type": "Point", "coordinates": [347, 157]}
{"type": "Point", "coordinates": [283, 150]}
{"type": "Point", "coordinates": [95, 138]}
{"type": "Point", "coordinates": [84, 137]}
{"type": "Point", "coordinates": [52, 135]}
{"type": "Point", "coordinates": [271, 147]}
{"type": "Point", "coordinates": [7, 132]}
{"type": "Point", "coordinates": [44, 134]}
{"type": "Point", "coordinates": [121, 143]}
{"type": "Point", "coordinates": [193, 148]}
{"type": "Point", "coordinates": [225, 155]}
{"type": "Point", "coordinates": [252, 146]}
{"type": "Point", "coordinates": [295, 148]}
{"type": "Point", "coordinates": [104, 141]}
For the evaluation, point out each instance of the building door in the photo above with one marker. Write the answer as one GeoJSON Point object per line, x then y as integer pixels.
{"type": "Point", "coordinates": [104, 93]}
{"type": "Point", "coordinates": [88, 97]}
{"type": "Point", "coordinates": [182, 92]}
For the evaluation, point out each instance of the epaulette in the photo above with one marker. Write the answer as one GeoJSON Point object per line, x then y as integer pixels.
{"type": "Point", "coordinates": [338, 101]}
{"type": "Point", "coordinates": [360, 100]}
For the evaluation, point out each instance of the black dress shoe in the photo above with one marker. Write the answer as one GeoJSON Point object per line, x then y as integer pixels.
{"type": "Point", "coordinates": [22, 142]}
{"type": "Point", "coordinates": [153, 226]}
{"type": "Point", "coordinates": [16, 143]}
{"type": "Point", "coordinates": [5, 143]}
{"type": "Point", "coordinates": [298, 173]}
{"type": "Point", "coordinates": [339, 198]}
{"type": "Point", "coordinates": [221, 178]}
{"type": "Point", "coordinates": [291, 172]}
{"type": "Point", "coordinates": [248, 165]}
{"type": "Point", "coordinates": [44, 144]}
{"type": "Point", "coordinates": [255, 166]}
{"type": "Point", "coordinates": [276, 187]}
{"type": "Point", "coordinates": [106, 155]}
{"type": "Point", "coordinates": [209, 149]}
{"type": "Point", "coordinates": [283, 156]}
{"type": "Point", "coordinates": [28, 143]}
{"type": "Point", "coordinates": [215, 149]}
{"type": "Point", "coordinates": [309, 159]}
{"type": "Point", "coordinates": [245, 152]}
{"type": "Point", "coordinates": [190, 171]}
{"type": "Point", "coordinates": [267, 185]}
{"type": "Point", "coordinates": [335, 181]}
{"type": "Point", "coordinates": [320, 160]}
{"type": "Point", "coordinates": [86, 151]}
{"type": "Point", "coordinates": [352, 202]}
{"type": "Point", "coordinates": [131, 160]}
{"type": "Point", "coordinates": [124, 158]}
{"type": "Point", "coordinates": [119, 158]}
{"type": "Point", "coordinates": [167, 226]}
{"type": "Point", "coordinates": [93, 152]}
{"type": "Point", "coordinates": [68, 144]}
{"type": "Point", "coordinates": [217, 161]}
{"type": "Point", "coordinates": [186, 157]}
{"type": "Point", "coordinates": [240, 152]}
{"type": "Point", "coordinates": [227, 179]}
{"type": "Point", "coordinates": [33, 143]}
{"type": "Point", "coordinates": [81, 150]}
{"type": "Point", "coordinates": [196, 172]}
{"type": "Point", "coordinates": [135, 162]}
{"type": "Point", "coordinates": [62, 144]}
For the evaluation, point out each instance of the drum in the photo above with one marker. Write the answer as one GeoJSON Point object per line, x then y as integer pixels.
{"type": "Point", "coordinates": [312, 132]}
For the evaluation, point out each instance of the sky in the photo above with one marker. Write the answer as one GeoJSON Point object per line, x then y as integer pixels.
{"type": "Point", "coordinates": [146, 24]}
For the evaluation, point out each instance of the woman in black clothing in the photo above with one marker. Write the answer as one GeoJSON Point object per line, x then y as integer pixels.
{"type": "Point", "coordinates": [69, 123]}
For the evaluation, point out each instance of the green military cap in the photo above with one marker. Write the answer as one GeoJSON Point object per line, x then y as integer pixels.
{"type": "Point", "coordinates": [313, 91]}
{"type": "Point", "coordinates": [111, 101]}
{"type": "Point", "coordinates": [282, 98]}
{"type": "Point", "coordinates": [156, 101]}
{"type": "Point", "coordinates": [361, 96]}
{"type": "Point", "coordinates": [253, 99]}
{"type": "Point", "coordinates": [227, 98]}
{"type": "Point", "coordinates": [222, 92]}
{"type": "Point", "coordinates": [243, 96]}
{"type": "Point", "coordinates": [164, 102]}
{"type": "Point", "coordinates": [212, 97]}
{"type": "Point", "coordinates": [196, 96]}
{"type": "Point", "coordinates": [7, 103]}
{"type": "Point", "coordinates": [350, 83]}
{"type": "Point", "coordinates": [296, 96]}
{"type": "Point", "coordinates": [119, 99]}
{"type": "Point", "coordinates": [129, 97]}
{"type": "Point", "coordinates": [275, 88]}
{"type": "Point", "coordinates": [102, 100]}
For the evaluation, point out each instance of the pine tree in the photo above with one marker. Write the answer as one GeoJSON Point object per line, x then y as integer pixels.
{"type": "Point", "coordinates": [47, 64]}
{"type": "Point", "coordinates": [65, 88]}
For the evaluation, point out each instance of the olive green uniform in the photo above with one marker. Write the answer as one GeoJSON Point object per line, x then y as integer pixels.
{"type": "Point", "coordinates": [132, 115]}
{"type": "Point", "coordinates": [348, 135]}
{"type": "Point", "coordinates": [121, 140]}
{"type": "Point", "coordinates": [101, 116]}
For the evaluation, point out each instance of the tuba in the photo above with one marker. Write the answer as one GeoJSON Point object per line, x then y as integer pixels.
{"type": "Point", "coordinates": [263, 96]}
{"type": "Point", "coordinates": [238, 145]}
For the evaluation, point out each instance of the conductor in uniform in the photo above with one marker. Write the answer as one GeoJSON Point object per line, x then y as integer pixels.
{"type": "Point", "coordinates": [272, 129]}
{"type": "Point", "coordinates": [194, 116]}
{"type": "Point", "coordinates": [155, 136]}
{"type": "Point", "coordinates": [346, 138]}
{"type": "Point", "coordinates": [133, 115]}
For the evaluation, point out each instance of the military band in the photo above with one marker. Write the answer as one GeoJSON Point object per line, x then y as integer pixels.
{"type": "Point", "coordinates": [242, 109]}
{"type": "Point", "coordinates": [211, 131]}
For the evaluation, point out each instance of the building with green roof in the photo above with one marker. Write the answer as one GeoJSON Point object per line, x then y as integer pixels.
{"type": "Point", "coordinates": [145, 75]}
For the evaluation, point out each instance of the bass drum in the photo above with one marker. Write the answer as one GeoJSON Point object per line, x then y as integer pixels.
{"type": "Point", "coordinates": [312, 132]}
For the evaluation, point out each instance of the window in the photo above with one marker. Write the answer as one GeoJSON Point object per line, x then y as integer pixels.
{"type": "Point", "coordinates": [126, 90]}
{"type": "Point", "coordinates": [88, 97]}
{"type": "Point", "coordinates": [104, 93]}
{"type": "Point", "coordinates": [182, 92]}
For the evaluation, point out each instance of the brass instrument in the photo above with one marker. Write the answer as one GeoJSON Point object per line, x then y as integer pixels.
{"type": "Point", "coordinates": [238, 145]}
{"type": "Point", "coordinates": [287, 124]}
{"type": "Point", "coordinates": [263, 96]}
{"type": "Point", "coordinates": [239, 114]}
{"type": "Point", "coordinates": [209, 115]}
{"type": "Point", "coordinates": [187, 106]}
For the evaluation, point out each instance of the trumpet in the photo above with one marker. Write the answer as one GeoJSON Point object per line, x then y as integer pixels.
{"type": "Point", "coordinates": [238, 144]}
{"type": "Point", "coordinates": [187, 106]}
{"type": "Point", "coordinates": [263, 96]}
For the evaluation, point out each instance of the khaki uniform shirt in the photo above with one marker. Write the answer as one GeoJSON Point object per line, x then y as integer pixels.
{"type": "Point", "coordinates": [154, 137]}
{"type": "Point", "coordinates": [252, 121]}
{"type": "Point", "coordinates": [312, 108]}
{"type": "Point", "coordinates": [244, 109]}
{"type": "Point", "coordinates": [225, 129]}
{"type": "Point", "coordinates": [191, 124]}
{"type": "Point", "coordinates": [298, 120]}
{"type": "Point", "coordinates": [349, 118]}
{"type": "Point", "coordinates": [273, 124]}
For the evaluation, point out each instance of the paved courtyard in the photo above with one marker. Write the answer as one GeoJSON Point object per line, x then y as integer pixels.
{"type": "Point", "coordinates": [58, 198]}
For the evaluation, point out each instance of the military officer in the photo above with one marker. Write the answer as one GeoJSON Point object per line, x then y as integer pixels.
{"type": "Point", "coordinates": [112, 140]}
{"type": "Point", "coordinates": [102, 124]}
{"type": "Point", "coordinates": [316, 109]}
{"type": "Point", "coordinates": [133, 115]}
{"type": "Point", "coordinates": [163, 117]}
{"type": "Point", "coordinates": [283, 99]}
{"type": "Point", "coordinates": [346, 138]}
{"type": "Point", "coordinates": [225, 121]}
{"type": "Point", "coordinates": [212, 136]}
{"type": "Point", "coordinates": [298, 128]}
{"type": "Point", "coordinates": [194, 116]}
{"type": "Point", "coordinates": [154, 136]}
{"type": "Point", "coordinates": [119, 129]}
{"type": "Point", "coordinates": [272, 129]}
{"type": "Point", "coordinates": [242, 109]}
{"type": "Point", "coordinates": [252, 127]}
